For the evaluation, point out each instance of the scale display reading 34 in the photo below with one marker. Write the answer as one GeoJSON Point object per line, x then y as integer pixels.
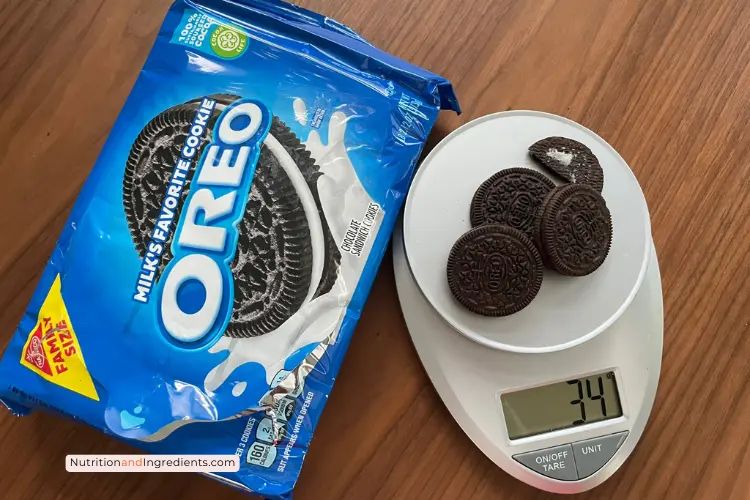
{"type": "Point", "coordinates": [561, 405]}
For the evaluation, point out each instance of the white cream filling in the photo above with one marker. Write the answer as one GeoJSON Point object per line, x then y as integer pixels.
{"type": "Point", "coordinates": [311, 210]}
{"type": "Point", "coordinates": [560, 156]}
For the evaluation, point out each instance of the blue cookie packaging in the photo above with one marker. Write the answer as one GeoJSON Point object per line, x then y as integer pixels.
{"type": "Point", "coordinates": [205, 288]}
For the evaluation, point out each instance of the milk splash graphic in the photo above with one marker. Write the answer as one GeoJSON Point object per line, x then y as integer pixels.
{"type": "Point", "coordinates": [342, 198]}
{"type": "Point", "coordinates": [300, 111]}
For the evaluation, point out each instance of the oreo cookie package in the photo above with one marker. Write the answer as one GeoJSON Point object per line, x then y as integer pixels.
{"type": "Point", "coordinates": [203, 292]}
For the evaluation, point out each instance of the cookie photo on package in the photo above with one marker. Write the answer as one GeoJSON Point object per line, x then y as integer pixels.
{"type": "Point", "coordinates": [205, 288]}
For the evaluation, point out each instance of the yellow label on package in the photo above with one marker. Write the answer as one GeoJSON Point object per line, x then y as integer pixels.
{"type": "Point", "coordinates": [52, 350]}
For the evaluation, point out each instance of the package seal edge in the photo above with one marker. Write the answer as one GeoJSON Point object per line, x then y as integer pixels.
{"type": "Point", "coordinates": [342, 45]}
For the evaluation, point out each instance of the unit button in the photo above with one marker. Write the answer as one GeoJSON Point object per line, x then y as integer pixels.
{"type": "Point", "coordinates": [556, 462]}
{"type": "Point", "coordinates": [592, 454]}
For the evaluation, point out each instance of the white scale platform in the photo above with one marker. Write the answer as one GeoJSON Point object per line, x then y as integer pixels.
{"type": "Point", "coordinates": [604, 329]}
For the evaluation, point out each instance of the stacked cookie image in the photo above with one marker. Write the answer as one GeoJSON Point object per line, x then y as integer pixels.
{"type": "Point", "coordinates": [285, 255]}
{"type": "Point", "coordinates": [522, 222]}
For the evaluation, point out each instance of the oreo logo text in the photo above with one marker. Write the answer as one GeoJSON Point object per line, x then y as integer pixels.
{"type": "Point", "coordinates": [196, 290]}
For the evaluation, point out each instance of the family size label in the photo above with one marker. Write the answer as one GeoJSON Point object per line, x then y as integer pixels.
{"type": "Point", "coordinates": [52, 350]}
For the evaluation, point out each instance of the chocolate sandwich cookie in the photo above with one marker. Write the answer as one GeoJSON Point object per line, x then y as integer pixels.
{"type": "Point", "coordinates": [570, 160]}
{"type": "Point", "coordinates": [494, 270]}
{"type": "Point", "coordinates": [574, 230]}
{"type": "Point", "coordinates": [511, 197]}
{"type": "Point", "coordinates": [536, 235]}
{"type": "Point", "coordinates": [273, 263]}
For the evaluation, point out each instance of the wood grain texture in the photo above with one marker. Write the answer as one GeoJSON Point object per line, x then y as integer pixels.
{"type": "Point", "coordinates": [665, 82]}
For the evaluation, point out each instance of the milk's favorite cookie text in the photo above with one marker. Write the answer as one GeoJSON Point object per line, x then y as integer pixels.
{"type": "Point", "coordinates": [163, 226]}
{"type": "Point", "coordinates": [206, 235]}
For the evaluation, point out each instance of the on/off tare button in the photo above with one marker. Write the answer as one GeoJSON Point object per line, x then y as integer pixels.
{"type": "Point", "coordinates": [557, 462]}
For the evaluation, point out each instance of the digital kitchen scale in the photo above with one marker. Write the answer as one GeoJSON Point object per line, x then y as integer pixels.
{"type": "Point", "coordinates": [559, 393]}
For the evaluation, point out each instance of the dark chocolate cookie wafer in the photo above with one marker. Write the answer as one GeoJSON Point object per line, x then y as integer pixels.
{"type": "Point", "coordinates": [311, 172]}
{"type": "Point", "coordinates": [255, 263]}
{"type": "Point", "coordinates": [575, 230]}
{"type": "Point", "coordinates": [569, 159]}
{"type": "Point", "coordinates": [272, 267]}
{"type": "Point", "coordinates": [511, 197]}
{"type": "Point", "coordinates": [149, 169]}
{"type": "Point", "coordinates": [494, 270]}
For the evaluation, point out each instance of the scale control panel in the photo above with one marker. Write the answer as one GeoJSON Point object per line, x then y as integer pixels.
{"type": "Point", "coordinates": [570, 462]}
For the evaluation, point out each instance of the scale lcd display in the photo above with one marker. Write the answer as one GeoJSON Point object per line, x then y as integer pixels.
{"type": "Point", "coordinates": [562, 405]}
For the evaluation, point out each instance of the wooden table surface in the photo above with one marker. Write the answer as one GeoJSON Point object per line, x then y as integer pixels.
{"type": "Point", "coordinates": [666, 82]}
